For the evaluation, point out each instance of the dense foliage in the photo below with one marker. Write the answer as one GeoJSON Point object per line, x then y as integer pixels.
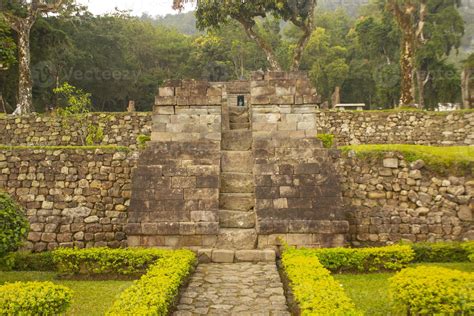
{"type": "Point", "coordinates": [314, 289]}
{"type": "Point", "coordinates": [433, 291]}
{"type": "Point", "coordinates": [156, 291]}
{"type": "Point", "coordinates": [130, 261]}
{"type": "Point", "coordinates": [13, 224]}
{"type": "Point", "coordinates": [443, 251]}
{"type": "Point", "coordinates": [34, 298]}
{"type": "Point", "coordinates": [118, 58]}
{"type": "Point", "coordinates": [362, 259]}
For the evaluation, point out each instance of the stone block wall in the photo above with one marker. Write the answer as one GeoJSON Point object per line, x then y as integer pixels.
{"type": "Point", "coordinates": [42, 130]}
{"type": "Point", "coordinates": [404, 127]}
{"type": "Point", "coordinates": [73, 197]}
{"type": "Point", "coordinates": [175, 195]}
{"type": "Point", "coordinates": [390, 200]}
{"type": "Point", "coordinates": [298, 196]}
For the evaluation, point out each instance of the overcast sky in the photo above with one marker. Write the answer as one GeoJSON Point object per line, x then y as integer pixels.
{"type": "Point", "coordinates": [152, 7]}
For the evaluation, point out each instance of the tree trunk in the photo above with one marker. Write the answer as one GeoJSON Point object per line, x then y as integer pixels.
{"type": "Point", "coordinates": [25, 83]}
{"type": "Point", "coordinates": [407, 63]}
{"type": "Point", "coordinates": [336, 97]}
{"type": "Point", "coordinates": [267, 49]}
{"type": "Point", "coordinates": [298, 55]}
{"type": "Point", "coordinates": [465, 78]}
{"type": "Point", "coordinates": [421, 80]}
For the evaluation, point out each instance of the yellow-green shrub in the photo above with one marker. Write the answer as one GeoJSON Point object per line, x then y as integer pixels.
{"type": "Point", "coordinates": [433, 291]}
{"type": "Point", "coordinates": [363, 259]}
{"type": "Point", "coordinates": [314, 289]}
{"type": "Point", "coordinates": [107, 261]}
{"type": "Point", "coordinates": [156, 291]}
{"type": "Point", "coordinates": [34, 298]}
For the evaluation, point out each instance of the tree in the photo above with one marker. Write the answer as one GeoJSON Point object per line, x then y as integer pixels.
{"type": "Point", "coordinates": [215, 13]}
{"type": "Point", "coordinates": [21, 16]}
{"type": "Point", "coordinates": [328, 67]}
{"type": "Point", "coordinates": [411, 17]}
{"type": "Point", "coordinates": [7, 55]}
{"type": "Point", "coordinates": [442, 33]}
{"type": "Point", "coordinates": [466, 81]}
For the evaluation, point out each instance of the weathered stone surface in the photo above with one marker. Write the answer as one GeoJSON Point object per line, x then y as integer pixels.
{"type": "Point", "coordinates": [236, 219]}
{"type": "Point", "coordinates": [237, 161]}
{"type": "Point", "coordinates": [465, 213]}
{"type": "Point", "coordinates": [80, 211]}
{"type": "Point", "coordinates": [223, 256]}
{"type": "Point", "coordinates": [237, 239]}
{"type": "Point", "coordinates": [410, 204]}
{"type": "Point", "coordinates": [390, 163]}
{"type": "Point", "coordinates": [237, 201]}
{"type": "Point", "coordinates": [237, 183]}
{"type": "Point", "coordinates": [267, 255]}
{"type": "Point", "coordinates": [234, 289]}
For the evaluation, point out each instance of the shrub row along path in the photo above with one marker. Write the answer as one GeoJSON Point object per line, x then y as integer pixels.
{"type": "Point", "coordinates": [234, 289]}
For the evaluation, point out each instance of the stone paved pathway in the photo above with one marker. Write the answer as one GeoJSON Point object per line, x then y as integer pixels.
{"type": "Point", "coordinates": [234, 289]}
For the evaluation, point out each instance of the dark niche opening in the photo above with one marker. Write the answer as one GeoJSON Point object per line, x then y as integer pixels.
{"type": "Point", "coordinates": [241, 100]}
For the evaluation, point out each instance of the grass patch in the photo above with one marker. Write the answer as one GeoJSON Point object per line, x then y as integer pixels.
{"type": "Point", "coordinates": [369, 292]}
{"type": "Point", "coordinates": [90, 298]}
{"type": "Point", "coordinates": [445, 160]}
{"type": "Point", "coordinates": [107, 148]}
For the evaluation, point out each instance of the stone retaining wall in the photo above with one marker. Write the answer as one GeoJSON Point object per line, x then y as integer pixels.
{"type": "Point", "coordinates": [389, 200]}
{"type": "Point", "coordinates": [423, 128]}
{"type": "Point", "coordinates": [41, 130]}
{"type": "Point", "coordinates": [351, 127]}
{"type": "Point", "coordinates": [73, 197]}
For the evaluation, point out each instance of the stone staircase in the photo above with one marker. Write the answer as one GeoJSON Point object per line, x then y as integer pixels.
{"type": "Point", "coordinates": [237, 217]}
{"type": "Point", "coordinates": [239, 118]}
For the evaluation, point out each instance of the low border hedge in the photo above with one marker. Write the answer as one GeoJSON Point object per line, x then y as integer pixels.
{"type": "Point", "coordinates": [363, 259]}
{"type": "Point", "coordinates": [313, 287]}
{"type": "Point", "coordinates": [443, 251]}
{"type": "Point", "coordinates": [34, 298]}
{"type": "Point", "coordinates": [27, 261]}
{"type": "Point", "coordinates": [433, 291]}
{"type": "Point", "coordinates": [156, 291]}
{"type": "Point", "coordinates": [100, 261]}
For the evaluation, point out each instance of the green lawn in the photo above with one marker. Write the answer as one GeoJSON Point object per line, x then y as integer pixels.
{"type": "Point", "coordinates": [370, 291]}
{"type": "Point", "coordinates": [90, 297]}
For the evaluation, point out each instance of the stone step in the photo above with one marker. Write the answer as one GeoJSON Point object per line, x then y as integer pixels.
{"type": "Point", "coordinates": [236, 219]}
{"type": "Point", "coordinates": [237, 183]}
{"type": "Point", "coordinates": [238, 109]}
{"type": "Point", "coordinates": [231, 256]}
{"type": "Point", "coordinates": [239, 140]}
{"type": "Point", "coordinates": [240, 126]}
{"type": "Point", "coordinates": [237, 161]}
{"type": "Point", "coordinates": [237, 201]}
{"type": "Point", "coordinates": [239, 119]}
{"type": "Point", "coordinates": [237, 239]}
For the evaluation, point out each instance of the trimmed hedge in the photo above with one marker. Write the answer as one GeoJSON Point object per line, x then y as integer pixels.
{"type": "Point", "coordinates": [34, 298]}
{"type": "Point", "coordinates": [363, 259]}
{"type": "Point", "coordinates": [27, 261]}
{"type": "Point", "coordinates": [96, 261]}
{"type": "Point", "coordinates": [433, 291]}
{"type": "Point", "coordinates": [443, 251]}
{"type": "Point", "coordinates": [313, 287]}
{"type": "Point", "coordinates": [156, 291]}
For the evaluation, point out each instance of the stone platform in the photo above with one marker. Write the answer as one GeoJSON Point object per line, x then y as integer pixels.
{"type": "Point", "coordinates": [234, 289]}
{"type": "Point", "coordinates": [231, 256]}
